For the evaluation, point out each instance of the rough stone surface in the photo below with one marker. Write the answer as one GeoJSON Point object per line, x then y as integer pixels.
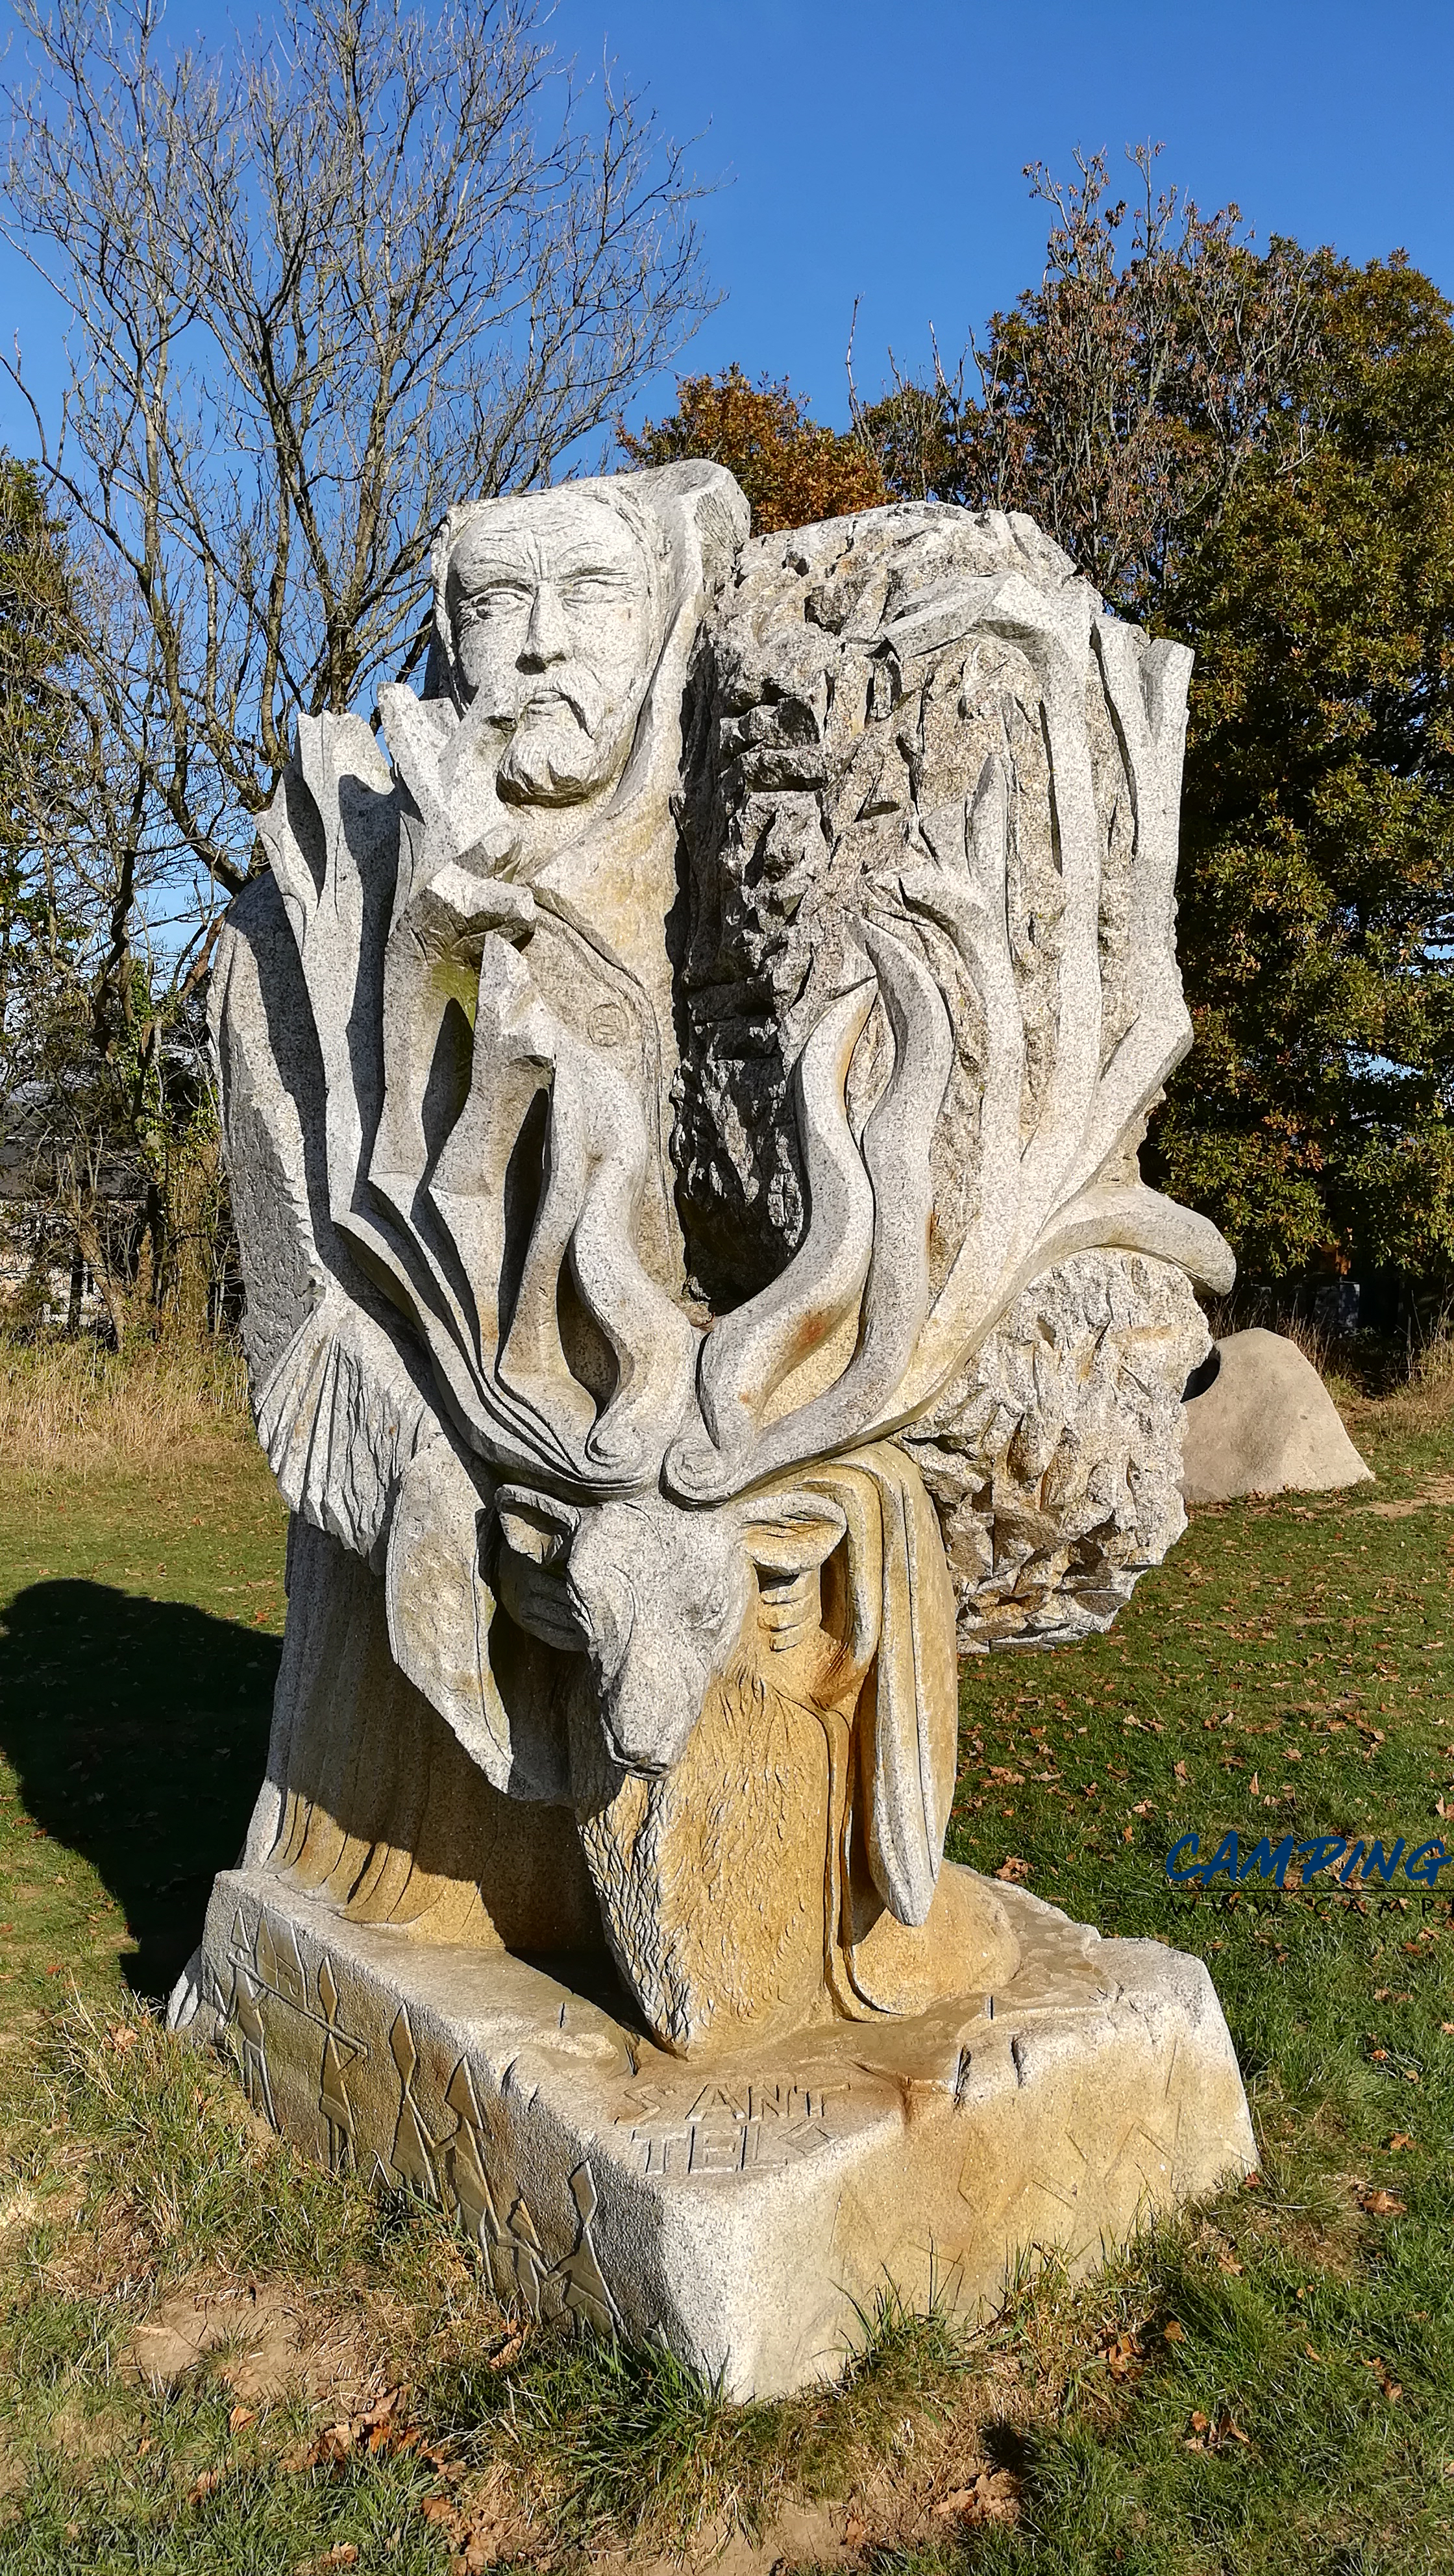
{"type": "Point", "coordinates": [745, 2211]}
{"type": "Point", "coordinates": [1265, 1425]}
{"type": "Point", "coordinates": [1053, 1462]}
{"type": "Point", "coordinates": [681, 1085]}
{"type": "Point", "coordinates": [900, 714]}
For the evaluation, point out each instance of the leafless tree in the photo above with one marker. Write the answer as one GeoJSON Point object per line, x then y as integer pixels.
{"type": "Point", "coordinates": [387, 255]}
{"type": "Point", "coordinates": [108, 1129]}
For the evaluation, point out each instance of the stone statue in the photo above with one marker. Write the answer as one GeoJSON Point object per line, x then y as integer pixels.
{"type": "Point", "coordinates": [682, 1090]}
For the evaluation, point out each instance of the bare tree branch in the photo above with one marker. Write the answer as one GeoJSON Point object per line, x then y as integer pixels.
{"type": "Point", "coordinates": [315, 292]}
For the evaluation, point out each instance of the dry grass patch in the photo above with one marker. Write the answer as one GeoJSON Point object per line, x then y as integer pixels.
{"type": "Point", "coordinates": [1418, 1407]}
{"type": "Point", "coordinates": [72, 1406]}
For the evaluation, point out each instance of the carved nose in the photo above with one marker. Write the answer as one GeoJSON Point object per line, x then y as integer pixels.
{"type": "Point", "coordinates": [547, 638]}
{"type": "Point", "coordinates": [647, 1719]}
{"type": "Point", "coordinates": [604, 1610]}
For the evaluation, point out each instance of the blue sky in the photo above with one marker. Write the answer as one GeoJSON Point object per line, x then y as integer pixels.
{"type": "Point", "coordinates": [876, 151]}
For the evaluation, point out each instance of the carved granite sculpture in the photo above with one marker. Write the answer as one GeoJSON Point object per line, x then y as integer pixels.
{"type": "Point", "coordinates": [681, 1091]}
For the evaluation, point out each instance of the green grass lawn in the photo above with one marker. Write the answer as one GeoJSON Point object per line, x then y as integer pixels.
{"type": "Point", "coordinates": [142, 1626]}
{"type": "Point", "coordinates": [212, 2358]}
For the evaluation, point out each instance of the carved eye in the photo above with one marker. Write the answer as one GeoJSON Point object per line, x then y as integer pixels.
{"type": "Point", "coordinates": [534, 1526]}
{"type": "Point", "coordinates": [478, 606]}
{"type": "Point", "coordinates": [584, 588]}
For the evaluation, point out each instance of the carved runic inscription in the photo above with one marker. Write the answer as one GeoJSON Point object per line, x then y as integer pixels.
{"type": "Point", "coordinates": [279, 1965]}
{"type": "Point", "coordinates": [583, 2288]}
{"type": "Point", "coordinates": [268, 1970]}
{"type": "Point", "coordinates": [333, 2100]}
{"type": "Point", "coordinates": [256, 1972]}
{"type": "Point", "coordinates": [413, 2151]}
{"type": "Point", "coordinates": [253, 2044]}
{"type": "Point", "coordinates": [728, 2129]}
{"type": "Point", "coordinates": [484, 2185]}
{"type": "Point", "coordinates": [464, 2161]}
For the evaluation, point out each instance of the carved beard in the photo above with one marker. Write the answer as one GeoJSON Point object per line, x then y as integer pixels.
{"type": "Point", "coordinates": [563, 745]}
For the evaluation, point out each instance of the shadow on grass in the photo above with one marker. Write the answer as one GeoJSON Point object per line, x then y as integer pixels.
{"type": "Point", "coordinates": [137, 1730]}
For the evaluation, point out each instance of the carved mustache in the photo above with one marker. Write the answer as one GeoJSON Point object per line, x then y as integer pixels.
{"type": "Point", "coordinates": [571, 686]}
{"type": "Point", "coordinates": [574, 688]}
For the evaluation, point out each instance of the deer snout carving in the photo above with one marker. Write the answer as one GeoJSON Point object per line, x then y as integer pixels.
{"type": "Point", "coordinates": [655, 1597]}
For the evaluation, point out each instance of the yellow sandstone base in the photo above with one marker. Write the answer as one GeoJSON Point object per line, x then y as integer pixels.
{"type": "Point", "coordinates": [749, 2210]}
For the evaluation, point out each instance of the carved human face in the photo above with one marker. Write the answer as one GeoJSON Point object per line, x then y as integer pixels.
{"type": "Point", "coordinates": [550, 605]}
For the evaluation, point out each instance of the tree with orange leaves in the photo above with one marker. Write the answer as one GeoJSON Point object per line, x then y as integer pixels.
{"type": "Point", "coordinates": [792, 469]}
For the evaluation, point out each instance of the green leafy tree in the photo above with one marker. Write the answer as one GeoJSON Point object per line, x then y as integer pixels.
{"type": "Point", "coordinates": [1253, 451]}
{"type": "Point", "coordinates": [1315, 1118]}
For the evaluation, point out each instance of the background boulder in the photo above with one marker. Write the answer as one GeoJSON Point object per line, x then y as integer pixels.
{"type": "Point", "coordinates": [1265, 1425]}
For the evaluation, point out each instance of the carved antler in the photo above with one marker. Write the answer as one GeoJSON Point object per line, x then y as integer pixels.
{"type": "Point", "coordinates": [848, 1343]}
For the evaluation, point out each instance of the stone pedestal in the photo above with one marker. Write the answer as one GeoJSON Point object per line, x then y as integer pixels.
{"type": "Point", "coordinates": [750, 2208]}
